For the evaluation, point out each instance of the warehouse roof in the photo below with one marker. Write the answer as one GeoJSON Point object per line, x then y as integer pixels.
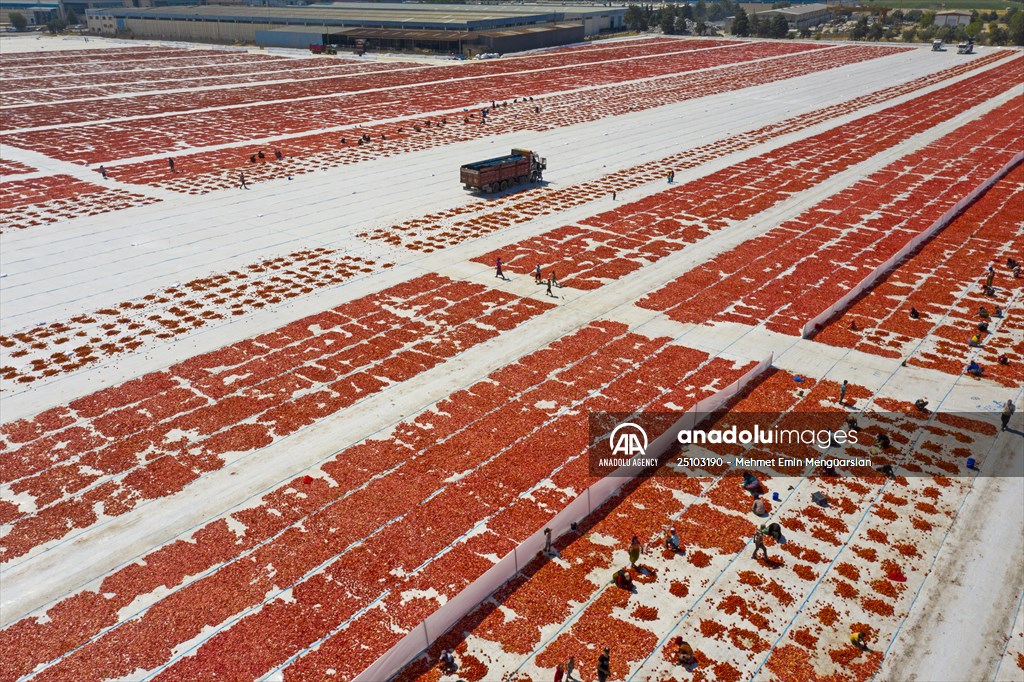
{"type": "Point", "coordinates": [389, 15]}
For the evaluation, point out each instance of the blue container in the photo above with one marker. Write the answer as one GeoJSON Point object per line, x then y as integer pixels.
{"type": "Point", "coordinates": [970, 463]}
{"type": "Point", "coordinates": [775, 497]}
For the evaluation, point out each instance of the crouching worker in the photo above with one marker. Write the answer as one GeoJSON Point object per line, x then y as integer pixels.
{"type": "Point", "coordinates": [975, 370]}
{"type": "Point", "coordinates": [859, 640]}
{"type": "Point", "coordinates": [750, 483]}
{"type": "Point", "coordinates": [623, 579]}
{"type": "Point", "coordinates": [684, 652]}
{"type": "Point", "coordinates": [446, 661]}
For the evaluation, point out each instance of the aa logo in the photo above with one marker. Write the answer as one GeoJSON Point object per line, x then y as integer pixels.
{"type": "Point", "coordinates": [628, 440]}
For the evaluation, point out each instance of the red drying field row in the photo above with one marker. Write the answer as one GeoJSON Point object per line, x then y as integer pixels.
{"type": "Point", "coordinates": [13, 60]}
{"type": "Point", "coordinates": [944, 281]}
{"type": "Point", "coordinates": [310, 153]}
{"type": "Point", "coordinates": [106, 141]}
{"type": "Point", "coordinates": [712, 530]}
{"type": "Point", "coordinates": [102, 454]}
{"type": "Point", "coordinates": [431, 232]}
{"type": "Point", "coordinates": [143, 105]}
{"type": "Point", "coordinates": [130, 62]}
{"type": "Point", "coordinates": [9, 167]}
{"type": "Point", "coordinates": [17, 193]}
{"type": "Point", "coordinates": [618, 242]}
{"type": "Point", "coordinates": [434, 478]}
{"type": "Point", "coordinates": [791, 274]}
{"type": "Point", "coordinates": [44, 200]}
{"type": "Point", "coordinates": [38, 90]}
{"type": "Point", "coordinates": [70, 344]}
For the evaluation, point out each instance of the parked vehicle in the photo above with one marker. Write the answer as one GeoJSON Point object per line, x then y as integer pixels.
{"type": "Point", "coordinates": [496, 175]}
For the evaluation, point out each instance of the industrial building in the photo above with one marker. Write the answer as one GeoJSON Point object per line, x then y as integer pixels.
{"type": "Point", "coordinates": [452, 29]}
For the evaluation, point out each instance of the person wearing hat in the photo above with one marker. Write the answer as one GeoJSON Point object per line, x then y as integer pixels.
{"type": "Point", "coordinates": [672, 541]}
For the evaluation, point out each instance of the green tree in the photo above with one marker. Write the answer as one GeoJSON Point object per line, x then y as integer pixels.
{"type": "Point", "coordinates": [700, 12]}
{"type": "Point", "coordinates": [896, 16]}
{"type": "Point", "coordinates": [860, 30]}
{"type": "Point", "coordinates": [701, 28]}
{"type": "Point", "coordinates": [974, 28]}
{"type": "Point", "coordinates": [71, 17]}
{"type": "Point", "coordinates": [636, 18]}
{"type": "Point", "coordinates": [913, 16]}
{"type": "Point", "coordinates": [741, 23]}
{"type": "Point", "coordinates": [997, 35]}
{"type": "Point", "coordinates": [18, 21]}
{"type": "Point", "coordinates": [1016, 28]}
{"type": "Point", "coordinates": [909, 35]}
{"type": "Point", "coordinates": [55, 26]}
{"type": "Point", "coordinates": [668, 21]}
{"type": "Point", "coordinates": [875, 32]}
{"type": "Point", "coordinates": [927, 19]}
{"type": "Point", "coordinates": [779, 26]}
{"type": "Point", "coordinates": [686, 12]}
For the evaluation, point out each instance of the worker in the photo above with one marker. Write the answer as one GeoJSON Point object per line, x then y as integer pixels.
{"type": "Point", "coordinates": [1008, 409]}
{"type": "Point", "coordinates": [887, 471]}
{"type": "Point", "coordinates": [1003, 359]}
{"type": "Point", "coordinates": [537, 277]}
{"type": "Point", "coordinates": [623, 579]}
{"type": "Point", "coordinates": [252, 158]}
{"type": "Point", "coordinates": [684, 652]}
{"type": "Point", "coordinates": [497, 269]}
{"type": "Point", "coordinates": [446, 661]}
{"type": "Point", "coordinates": [751, 483]}
{"type": "Point", "coordinates": [242, 185]}
{"type": "Point", "coordinates": [975, 341]}
{"type": "Point", "coordinates": [990, 277]}
{"type": "Point", "coordinates": [859, 640]}
{"type": "Point", "coordinates": [261, 155]}
{"type": "Point", "coordinates": [635, 550]}
{"type": "Point", "coordinates": [983, 313]}
{"type": "Point", "coordinates": [775, 532]}
{"type": "Point", "coordinates": [998, 312]}
{"type": "Point", "coordinates": [983, 326]}
{"type": "Point", "coordinates": [672, 541]}
{"type": "Point", "coordinates": [103, 172]}
{"type": "Point", "coordinates": [921, 404]}
{"type": "Point", "coordinates": [1010, 263]}
{"type": "Point", "coordinates": [759, 508]}
{"type": "Point", "coordinates": [883, 441]}
{"type": "Point", "coordinates": [914, 315]}
{"type": "Point", "coordinates": [170, 163]}
{"type": "Point", "coordinates": [759, 543]}
{"type": "Point", "coordinates": [975, 370]}
{"type": "Point", "coordinates": [278, 155]}
{"type": "Point", "coordinates": [343, 142]}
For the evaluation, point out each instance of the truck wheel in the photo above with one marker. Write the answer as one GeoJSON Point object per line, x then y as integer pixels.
{"type": "Point", "coordinates": [522, 179]}
{"type": "Point", "coordinates": [504, 185]}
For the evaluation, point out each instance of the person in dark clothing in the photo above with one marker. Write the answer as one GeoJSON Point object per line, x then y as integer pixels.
{"type": "Point", "coordinates": [604, 666]}
{"type": "Point", "coordinates": [759, 543]}
{"type": "Point", "coordinates": [914, 315]}
{"type": "Point", "coordinates": [242, 185]}
{"type": "Point", "coordinates": [252, 158]}
{"type": "Point", "coordinates": [103, 172]}
{"type": "Point", "coordinates": [170, 163]}
{"type": "Point", "coordinates": [1008, 409]}
{"type": "Point", "coordinates": [261, 155]}
{"type": "Point", "coordinates": [883, 441]}
{"type": "Point", "coordinates": [278, 155]}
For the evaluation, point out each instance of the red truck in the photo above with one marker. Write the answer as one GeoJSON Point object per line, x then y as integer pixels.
{"type": "Point", "coordinates": [495, 175]}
